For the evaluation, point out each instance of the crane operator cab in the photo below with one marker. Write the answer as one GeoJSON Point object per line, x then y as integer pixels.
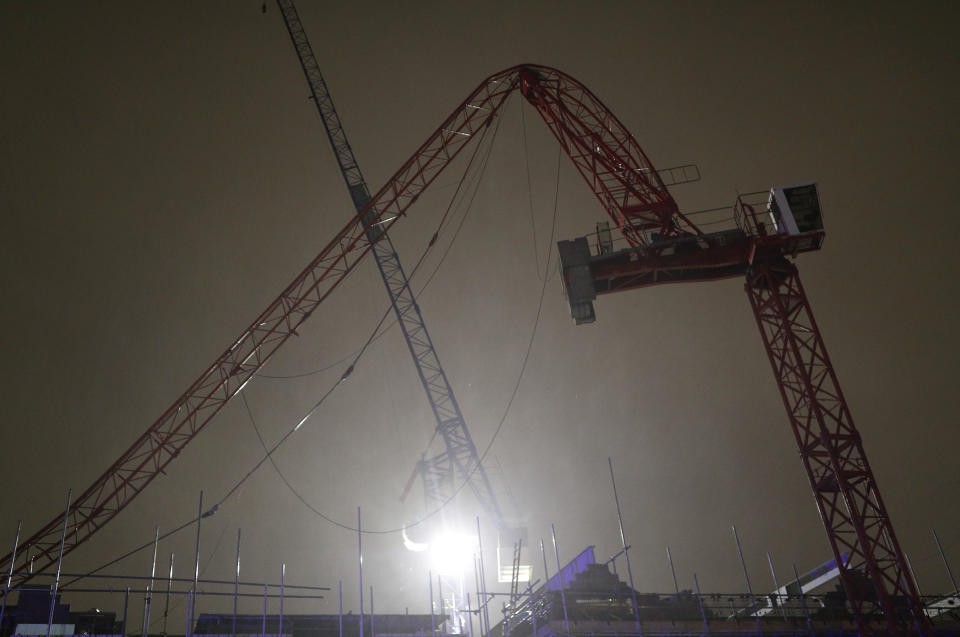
{"type": "Point", "coordinates": [795, 210]}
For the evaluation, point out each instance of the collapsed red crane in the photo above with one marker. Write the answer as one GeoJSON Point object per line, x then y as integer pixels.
{"type": "Point", "coordinates": [665, 247]}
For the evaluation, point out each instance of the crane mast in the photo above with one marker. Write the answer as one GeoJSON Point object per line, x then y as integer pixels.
{"type": "Point", "coordinates": [663, 246]}
{"type": "Point", "coordinates": [460, 456]}
{"type": "Point", "coordinates": [830, 447]}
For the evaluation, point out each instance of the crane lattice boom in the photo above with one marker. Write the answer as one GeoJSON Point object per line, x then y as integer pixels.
{"type": "Point", "coordinates": [460, 458]}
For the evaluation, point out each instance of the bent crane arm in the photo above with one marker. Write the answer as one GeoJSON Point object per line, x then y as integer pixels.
{"type": "Point", "coordinates": [606, 155]}
{"type": "Point", "coordinates": [163, 440]}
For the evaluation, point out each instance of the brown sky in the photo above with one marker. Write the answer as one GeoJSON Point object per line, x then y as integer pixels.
{"type": "Point", "coordinates": [165, 176]}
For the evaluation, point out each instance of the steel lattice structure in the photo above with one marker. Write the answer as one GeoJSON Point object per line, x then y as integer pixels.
{"type": "Point", "coordinates": [163, 440]}
{"type": "Point", "coordinates": [830, 446]}
{"type": "Point", "coordinates": [606, 155]}
{"type": "Point", "coordinates": [460, 456]}
{"type": "Point", "coordinates": [664, 247]}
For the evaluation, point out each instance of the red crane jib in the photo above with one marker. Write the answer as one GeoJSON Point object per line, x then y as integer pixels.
{"type": "Point", "coordinates": [163, 440]}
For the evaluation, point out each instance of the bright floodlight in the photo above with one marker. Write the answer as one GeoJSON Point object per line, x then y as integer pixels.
{"type": "Point", "coordinates": [452, 553]}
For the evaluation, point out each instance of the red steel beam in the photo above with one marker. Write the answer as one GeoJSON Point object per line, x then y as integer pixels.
{"type": "Point", "coordinates": [163, 440]}
{"type": "Point", "coordinates": [845, 489]}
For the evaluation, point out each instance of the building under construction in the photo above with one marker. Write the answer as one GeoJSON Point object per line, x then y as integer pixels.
{"type": "Point", "coordinates": [584, 599]}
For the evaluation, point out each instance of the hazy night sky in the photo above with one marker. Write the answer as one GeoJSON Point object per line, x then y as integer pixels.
{"type": "Point", "coordinates": [165, 176]}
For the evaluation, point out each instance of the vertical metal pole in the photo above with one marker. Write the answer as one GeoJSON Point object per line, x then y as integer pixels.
{"type": "Point", "coordinates": [943, 556]}
{"type": "Point", "coordinates": [776, 587]}
{"type": "Point", "coordinates": [476, 579]}
{"type": "Point", "coordinates": [433, 622]}
{"type": "Point", "coordinates": [166, 604]}
{"type": "Point", "coordinates": [186, 628]}
{"type": "Point", "coordinates": [912, 574]}
{"type": "Point", "coordinates": [56, 580]}
{"type": "Point", "coordinates": [703, 613]}
{"type": "Point", "coordinates": [373, 632]}
{"type": "Point", "coordinates": [470, 618]}
{"type": "Point", "coordinates": [236, 585]}
{"type": "Point", "coordinates": [676, 587]}
{"type": "Point", "coordinates": [263, 621]}
{"type": "Point", "coordinates": [563, 597]}
{"type": "Point", "coordinates": [533, 609]}
{"type": "Point", "coordinates": [283, 571]}
{"type": "Point", "coordinates": [340, 606]}
{"type": "Point", "coordinates": [196, 569]}
{"type": "Point", "coordinates": [126, 600]}
{"type": "Point", "coordinates": [483, 579]}
{"type": "Point", "coordinates": [753, 600]}
{"type": "Point", "coordinates": [507, 610]}
{"type": "Point", "coordinates": [440, 608]}
{"type": "Point", "coordinates": [360, 566]}
{"type": "Point", "coordinates": [803, 601]}
{"type": "Point", "coordinates": [546, 574]}
{"type": "Point", "coordinates": [626, 551]}
{"type": "Point", "coordinates": [148, 594]}
{"type": "Point", "coordinates": [13, 558]}
{"type": "Point", "coordinates": [146, 608]}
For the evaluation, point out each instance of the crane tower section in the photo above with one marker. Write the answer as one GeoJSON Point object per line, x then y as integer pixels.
{"type": "Point", "coordinates": [767, 230]}
{"type": "Point", "coordinates": [459, 458]}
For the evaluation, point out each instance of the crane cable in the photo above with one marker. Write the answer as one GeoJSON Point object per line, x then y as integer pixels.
{"type": "Point", "coordinates": [358, 354]}
{"type": "Point", "coordinates": [442, 505]}
{"type": "Point", "coordinates": [478, 176]}
{"type": "Point", "coordinates": [533, 225]}
{"type": "Point", "coordinates": [503, 419]}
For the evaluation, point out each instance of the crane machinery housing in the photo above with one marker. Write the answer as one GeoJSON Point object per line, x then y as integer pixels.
{"type": "Point", "coordinates": [663, 246]}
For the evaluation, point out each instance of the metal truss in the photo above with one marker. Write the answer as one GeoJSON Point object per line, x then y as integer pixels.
{"type": "Point", "coordinates": [163, 440]}
{"type": "Point", "coordinates": [460, 456]}
{"type": "Point", "coordinates": [856, 521]}
{"type": "Point", "coordinates": [607, 156]}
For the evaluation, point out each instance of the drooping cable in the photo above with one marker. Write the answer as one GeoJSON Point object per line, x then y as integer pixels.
{"type": "Point", "coordinates": [533, 224]}
{"type": "Point", "coordinates": [533, 332]}
{"type": "Point", "coordinates": [472, 186]}
{"type": "Point", "coordinates": [503, 419]}
{"type": "Point", "coordinates": [269, 452]}
{"type": "Point", "coordinates": [416, 268]}
{"type": "Point", "coordinates": [356, 357]}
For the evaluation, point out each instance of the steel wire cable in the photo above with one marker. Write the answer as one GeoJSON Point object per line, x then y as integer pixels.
{"type": "Point", "coordinates": [475, 178]}
{"type": "Point", "coordinates": [533, 224]}
{"type": "Point", "coordinates": [496, 432]}
{"type": "Point", "coordinates": [356, 357]}
{"type": "Point", "coordinates": [416, 268]}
